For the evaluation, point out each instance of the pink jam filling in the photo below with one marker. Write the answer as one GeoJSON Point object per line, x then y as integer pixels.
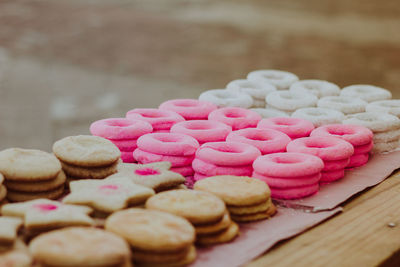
{"type": "Point", "coordinates": [147, 171]}
{"type": "Point", "coordinates": [45, 207]}
{"type": "Point", "coordinates": [109, 186]}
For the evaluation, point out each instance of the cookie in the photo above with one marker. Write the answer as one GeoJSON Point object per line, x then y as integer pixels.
{"type": "Point", "coordinates": [217, 227]}
{"type": "Point", "coordinates": [243, 210]}
{"type": "Point", "coordinates": [228, 235]}
{"type": "Point", "coordinates": [44, 214]}
{"type": "Point", "coordinates": [189, 258]}
{"type": "Point", "coordinates": [235, 190]}
{"type": "Point", "coordinates": [255, 216]}
{"type": "Point", "coordinates": [17, 196]}
{"type": "Point", "coordinates": [107, 195]}
{"type": "Point", "coordinates": [151, 230]}
{"type": "Point", "coordinates": [1, 179]}
{"type": "Point", "coordinates": [154, 175]}
{"type": "Point", "coordinates": [79, 247]}
{"type": "Point", "coordinates": [19, 164]}
{"type": "Point", "coordinates": [3, 192]}
{"type": "Point", "coordinates": [86, 151]}
{"type": "Point", "coordinates": [39, 186]}
{"type": "Point", "coordinates": [159, 258]}
{"type": "Point", "coordinates": [18, 256]}
{"type": "Point", "coordinates": [89, 172]}
{"type": "Point", "coordinates": [198, 207]}
{"type": "Point", "coordinates": [8, 230]}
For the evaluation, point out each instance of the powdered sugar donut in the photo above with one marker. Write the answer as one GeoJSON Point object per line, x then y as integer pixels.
{"type": "Point", "coordinates": [189, 109]}
{"type": "Point", "coordinates": [171, 144]}
{"type": "Point", "coordinates": [387, 136]}
{"type": "Point", "coordinates": [287, 165]}
{"type": "Point", "coordinates": [319, 116]}
{"type": "Point", "coordinates": [294, 193]}
{"type": "Point", "coordinates": [326, 147]}
{"type": "Point", "coordinates": [127, 157]}
{"type": "Point", "coordinates": [202, 130]}
{"type": "Point", "coordinates": [206, 168]}
{"type": "Point", "coordinates": [366, 92]}
{"type": "Point", "coordinates": [266, 140]}
{"type": "Point", "coordinates": [333, 165]}
{"type": "Point", "coordinates": [120, 128]}
{"type": "Point", "coordinates": [228, 153]}
{"type": "Point", "coordinates": [293, 127]}
{"type": "Point", "coordinates": [285, 182]}
{"type": "Point", "coordinates": [385, 147]}
{"type": "Point", "coordinates": [269, 112]}
{"type": "Point", "coordinates": [256, 89]}
{"type": "Point", "coordinates": [159, 119]}
{"type": "Point", "coordinates": [145, 157]}
{"type": "Point", "coordinates": [319, 88]}
{"type": "Point", "coordinates": [358, 160]}
{"type": "Point", "coordinates": [291, 101]}
{"type": "Point", "coordinates": [375, 121]}
{"type": "Point", "coordinates": [125, 145]}
{"type": "Point", "coordinates": [237, 118]}
{"type": "Point", "coordinates": [354, 134]}
{"type": "Point", "coordinates": [345, 104]}
{"type": "Point", "coordinates": [227, 98]}
{"type": "Point", "coordinates": [280, 79]}
{"type": "Point", "coordinates": [391, 106]}
{"type": "Point", "coordinates": [363, 148]}
{"type": "Point", "coordinates": [331, 176]}
{"type": "Point", "coordinates": [184, 170]}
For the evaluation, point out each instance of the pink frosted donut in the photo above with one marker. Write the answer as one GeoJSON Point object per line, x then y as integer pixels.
{"type": "Point", "coordinates": [266, 140]}
{"type": "Point", "coordinates": [333, 165]}
{"type": "Point", "coordinates": [125, 145]}
{"type": "Point", "coordinates": [184, 170]}
{"type": "Point", "coordinates": [237, 118]}
{"type": "Point", "coordinates": [354, 134]}
{"type": "Point", "coordinates": [294, 193]}
{"type": "Point", "coordinates": [202, 130]}
{"type": "Point", "coordinates": [127, 157]}
{"type": "Point", "coordinates": [288, 165]}
{"type": "Point", "coordinates": [145, 157]}
{"type": "Point", "coordinates": [228, 153]}
{"type": "Point", "coordinates": [159, 119]}
{"type": "Point", "coordinates": [358, 160]}
{"type": "Point", "coordinates": [285, 182]}
{"type": "Point", "coordinates": [293, 127]}
{"type": "Point", "coordinates": [198, 176]}
{"type": "Point", "coordinates": [363, 148]}
{"type": "Point", "coordinates": [331, 176]}
{"type": "Point", "coordinates": [210, 169]}
{"type": "Point", "coordinates": [171, 144]}
{"type": "Point", "coordinates": [324, 147]}
{"type": "Point", "coordinates": [120, 128]}
{"type": "Point", "coordinates": [190, 109]}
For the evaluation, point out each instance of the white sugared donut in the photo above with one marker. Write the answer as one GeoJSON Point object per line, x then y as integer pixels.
{"type": "Point", "coordinates": [270, 112]}
{"type": "Point", "coordinates": [282, 80]}
{"type": "Point", "coordinates": [257, 90]}
{"type": "Point", "coordinates": [227, 98]}
{"type": "Point", "coordinates": [387, 136]}
{"type": "Point", "coordinates": [391, 106]}
{"type": "Point", "coordinates": [290, 101]}
{"type": "Point", "coordinates": [385, 147]}
{"type": "Point", "coordinates": [375, 121]}
{"type": "Point", "coordinates": [366, 92]}
{"type": "Point", "coordinates": [319, 88]}
{"type": "Point", "coordinates": [345, 104]}
{"type": "Point", "coordinates": [319, 116]}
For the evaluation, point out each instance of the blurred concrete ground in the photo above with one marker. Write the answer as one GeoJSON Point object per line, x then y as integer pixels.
{"type": "Point", "coordinates": [66, 63]}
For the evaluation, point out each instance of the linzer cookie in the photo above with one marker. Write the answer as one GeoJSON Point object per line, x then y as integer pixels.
{"type": "Point", "coordinates": [108, 195]}
{"type": "Point", "coordinates": [157, 238]}
{"type": "Point", "coordinates": [42, 214]}
{"type": "Point", "coordinates": [204, 210]}
{"type": "Point", "coordinates": [247, 199]}
{"type": "Point", "coordinates": [30, 174]}
{"type": "Point", "coordinates": [154, 175]}
{"type": "Point", "coordinates": [80, 247]}
{"type": "Point", "coordinates": [87, 157]}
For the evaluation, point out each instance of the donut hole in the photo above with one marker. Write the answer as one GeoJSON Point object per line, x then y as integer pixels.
{"type": "Point", "coordinates": [119, 123]}
{"type": "Point", "coordinates": [286, 160]}
{"type": "Point", "coordinates": [186, 103]}
{"type": "Point", "coordinates": [199, 126]}
{"type": "Point", "coordinates": [169, 138]}
{"type": "Point", "coordinates": [256, 136]}
{"type": "Point", "coordinates": [340, 131]}
{"type": "Point", "coordinates": [228, 149]}
{"type": "Point", "coordinates": [273, 76]}
{"type": "Point", "coordinates": [154, 114]}
{"type": "Point", "coordinates": [234, 114]}
{"type": "Point", "coordinates": [285, 122]}
{"type": "Point", "coordinates": [146, 171]}
{"type": "Point", "coordinates": [317, 144]}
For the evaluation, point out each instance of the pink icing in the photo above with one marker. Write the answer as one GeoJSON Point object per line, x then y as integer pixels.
{"type": "Point", "coordinates": [45, 207]}
{"type": "Point", "coordinates": [147, 171]}
{"type": "Point", "coordinates": [109, 186]}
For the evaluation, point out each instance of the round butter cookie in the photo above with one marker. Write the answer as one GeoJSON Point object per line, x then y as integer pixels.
{"type": "Point", "coordinates": [255, 216]}
{"type": "Point", "coordinates": [79, 247]}
{"type": "Point", "coordinates": [158, 258]}
{"type": "Point", "coordinates": [86, 151]}
{"type": "Point", "coordinates": [198, 207]}
{"type": "Point", "coordinates": [228, 235]}
{"type": "Point", "coordinates": [39, 186]}
{"type": "Point", "coordinates": [89, 172]}
{"type": "Point", "coordinates": [223, 224]}
{"type": "Point", "coordinates": [189, 258]}
{"type": "Point", "coordinates": [19, 164]}
{"type": "Point", "coordinates": [251, 209]}
{"type": "Point", "coordinates": [16, 196]}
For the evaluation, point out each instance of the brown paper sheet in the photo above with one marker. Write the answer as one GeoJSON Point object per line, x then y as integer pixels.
{"type": "Point", "coordinates": [256, 238]}
{"type": "Point", "coordinates": [378, 168]}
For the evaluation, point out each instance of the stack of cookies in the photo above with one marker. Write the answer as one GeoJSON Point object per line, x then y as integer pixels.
{"type": "Point", "coordinates": [87, 157]}
{"type": "Point", "coordinates": [247, 199]}
{"type": "Point", "coordinates": [31, 174]}
{"type": "Point", "coordinates": [3, 191]}
{"type": "Point", "coordinates": [156, 238]}
{"type": "Point", "coordinates": [205, 211]}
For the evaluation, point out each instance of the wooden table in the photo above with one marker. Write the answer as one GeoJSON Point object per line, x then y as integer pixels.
{"type": "Point", "coordinates": [366, 233]}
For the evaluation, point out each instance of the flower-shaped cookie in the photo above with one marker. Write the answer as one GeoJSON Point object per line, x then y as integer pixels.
{"type": "Point", "coordinates": [108, 195]}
